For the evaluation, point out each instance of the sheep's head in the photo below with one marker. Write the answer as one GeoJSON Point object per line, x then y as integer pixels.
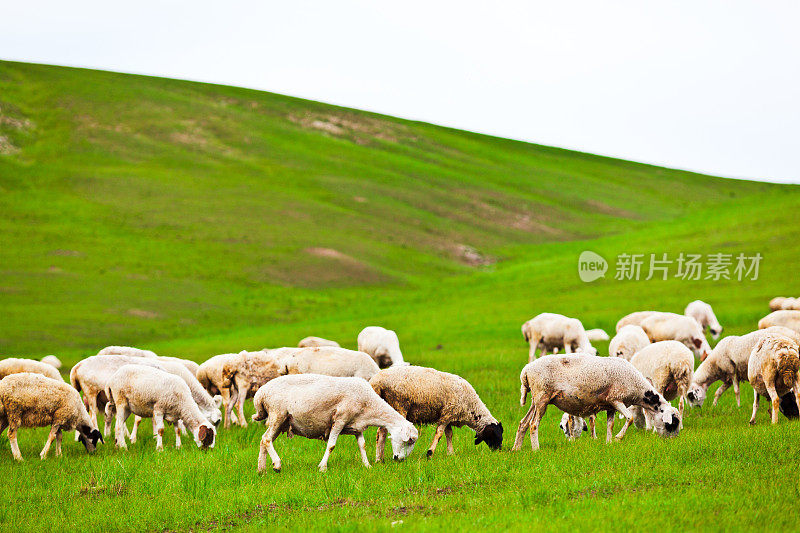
{"type": "Point", "coordinates": [666, 419]}
{"type": "Point", "coordinates": [89, 437]}
{"type": "Point", "coordinates": [699, 345]}
{"type": "Point", "coordinates": [696, 395]}
{"type": "Point", "coordinates": [212, 412]}
{"type": "Point", "coordinates": [492, 435]}
{"type": "Point", "coordinates": [715, 331]}
{"type": "Point", "coordinates": [403, 437]}
{"type": "Point", "coordinates": [204, 436]}
{"type": "Point", "coordinates": [573, 430]}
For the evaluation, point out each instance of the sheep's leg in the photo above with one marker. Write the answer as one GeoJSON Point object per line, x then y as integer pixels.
{"type": "Point", "coordinates": [380, 442]}
{"type": "Point", "coordinates": [226, 401]}
{"type": "Point", "coordinates": [182, 427]}
{"type": "Point", "coordinates": [796, 392]}
{"type": "Point", "coordinates": [624, 411]}
{"type": "Point", "coordinates": [107, 419]}
{"type": "Point", "coordinates": [541, 407]}
{"type": "Point", "coordinates": [448, 434]}
{"type": "Point", "coordinates": [50, 438]}
{"type": "Point", "coordinates": [135, 429]}
{"type": "Point", "coordinates": [177, 427]}
{"type": "Point", "coordinates": [242, 396]}
{"type": "Point", "coordinates": [12, 440]}
{"type": "Point", "coordinates": [736, 389]}
{"type": "Point", "coordinates": [436, 437]}
{"type": "Point", "coordinates": [609, 425]}
{"type": "Point", "coordinates": [755, 407]}
{"type": "Point", "coordinates": [58, 442]}
{"type": "Point", "coordinates": [722, 388]}
{"type": "Point", "coordinates": [534, 345]}
{"type": "Point", "coordinates": [337, 428]}
{"type": "Point", "coordinates": [523, 426]}
{"type": "Point", "coordinates": [273, 429]}
{"type": "Point", "coordinates": [681, 405]}
{"type": "Point", "coordinates": [119, 430]}
{"type": "Point", "coordinates": [362, 447]}
{"type": "Point", "coordinates": [592, 420]}
{"type": "Point", "coordinates": [775, 401]}
{"type": "Point", "coordinates": [158, 430]}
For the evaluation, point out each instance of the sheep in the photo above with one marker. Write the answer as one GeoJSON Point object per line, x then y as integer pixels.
{"type": "Point", "coordinates": [634, 319]}
{"type": "Point", "coordinates": [52, 360]}
{"type": "Point", "coordinates": [13, 365]}
{"type": "Point", "coordinates": [778, 303]}
{"type": "Point", "coordinates": [245, 374]}
{"type": "Point", "coordinates": [323, 407]}
{"type": "Point", "coordinates": [671, 326]}
{"type": "Point", "coordinates": [153, 393]}
{"type": "Point", "coordinates": [583, 385]}
{"type": "Point", "coordinates": [628, 340]}
{"type": "Point", "coordinates": [329, 361]}
{"type": "Point", "coordinates": [33, 400]}
{"type": "Point", "coordinates": [191, 366]}
{"type": "Point", "coordinates": [552, 331]}
{"type": "Point", "coordinates": [427, 396]}
{"type": "Point", "coordinates": [127, 350]}
{"type": "Point", "coordinates": [773, 371]}
{"type": "Point", "coordinates": [209, 374]}
{"type": "Point", "coordinates": [786, 318]}
{"type": "Point", "coordinates": [669, 366]}
{"type": "Point", "coordinates": [729, 359]}
{"type": "Point", "coordinates": [382, 345]}
{"type": "Point", "coordinates": [597, 334]}
{"type": "Point", "coordinates": [573, 426]}
{"type": "Point", "coordinates": [311, 342]}
{"type": "Point", "coordinates": [702, 312]}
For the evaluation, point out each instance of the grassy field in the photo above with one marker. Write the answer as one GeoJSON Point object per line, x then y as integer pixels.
{"type": "Point", "coordinates": [196, 219]}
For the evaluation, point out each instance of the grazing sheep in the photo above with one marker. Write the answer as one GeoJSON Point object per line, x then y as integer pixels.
{"type": "Point", "coordinates": [635, 319]}
{"type": "Point", "coordinates": [787, 319]}
{"type": "Point", "coordinates": [597, 334]}
{"type": "Point", "coordinates": [671, 326]}
{"type": "Point", "coordinates": [628, 340]}
{"type": "Point", "coordinates": [583, 385]}
{"type": "Point", "coordinates": [776, 304]}
{"type": "Point", "coordinates": [729, 359]}
{"type": "Point", "coordinates": [33, 400]}
{"type": "Point", "coordinates": [52, 360]}
{"type": "Point", "coordinates": [382, 345]}
{"type": "Point", "coordinates": [702, 312]}
{"type": "Point", "coordinates": [773, 371]}
{"type": "Point", "coordinates": [209, 374]}
{"type": "Point", "coordinates": [329, 361]}
{"type": "Point", "coordinates": [127, 350]}
{"type": "Point", "coordinates": [312, 342]}
{"type": "Point", "coordinates": [669, 366]}
{"type": "Point", "coordinates": [427, 396]}
{"type": "Point", "coordinates": [551, 331]}
{"type": "Point", "coordinates": [149, 392]}
{"type": "Point", "coordinates": [245, 374]}
{"type": "Point", "coordinates": [323, 407]}
{"type": "Point", "coordinates": [573, 426]}
{"type": "Point", "coordinates": [13, 365]}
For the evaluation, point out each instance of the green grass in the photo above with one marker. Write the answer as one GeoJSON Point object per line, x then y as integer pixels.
{"type": "Point", "coordinates": [177, 216]}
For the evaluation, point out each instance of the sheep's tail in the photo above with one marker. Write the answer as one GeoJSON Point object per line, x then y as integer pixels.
{"type": "Point", "coordinates": [261, 412]}
{"type": "Point", "coordinates": [523, 390]}
{"type": "Point", "coordinates": [788, 366]}
{"type": "Point", "coordinates": [73, 379]}
{"type": "Point", "coordinates": [526, 333]}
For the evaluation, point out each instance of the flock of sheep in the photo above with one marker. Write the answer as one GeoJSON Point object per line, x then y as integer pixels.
{"type": "Point", "coordinates": [320, 390]}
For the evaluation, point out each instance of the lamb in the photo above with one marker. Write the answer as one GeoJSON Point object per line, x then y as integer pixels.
{"type": "Point", "coordinates": [152, 393]}
{"type": "Point", "coordinates": [312, 342]}
{"type": "Point", "coordinates": [702, 312]}
{"type": "Point", "coordinates": [245, 374]}
{"type": "Point", "coordinates": [786, 318]}
{"type": "Point", "coordinates": [427, 396]}
{"type": "Point", "coordinates": [33, 400]}
{"type": "Point", "coordinates": [323, 407]}
{"type": "Point", "coordinates": [13, 365]}
{"type": "Point", "coordinates": [127, 350]}
{"type": "Point", "coordinates": [669, 366]}
{"type": "Point", "coordinates": [583, 385]}
{"type": "Point", "coordinates": [729, 359]}
{"type": "Point", "coordinates": [597, 334]}
{"type": "Point", "coordinates": [628, 340]}
{"type": "Point", "coordinates": [52, 360]}
{"type": "Point", "coordinates": [573, 426]}
{"type": "Point", "coordinates": [671, 326]}
{"type": "Point", "coordinates": [550, 331]}
{"type": "Point", "coordinates": [382, 345]}
{"type": "Point", "coordinates": [635, 319]}
{"type": "Point", "coordinates": [329, 361]}
{"type": "Point", "coordinates": [773, 371]}
{"type": "Point", "coordinates": [209, 374]}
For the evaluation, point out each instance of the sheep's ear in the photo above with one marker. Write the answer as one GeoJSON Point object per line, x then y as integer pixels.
{"type": "Point", "coordinates": [97, 436]}
{"type": "Point", "coordinates": [651, 398]}
{"type": "Point", "coordinates": [201, 433]}
{"type": "Point", "coordinates": [218, 401]}
{"type": "Point", "coordinates": [206, 436]}
{"type": "Point", "coordinates": [697, 342]}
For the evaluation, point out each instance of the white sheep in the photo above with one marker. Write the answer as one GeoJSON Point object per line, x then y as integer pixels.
{"type": "Point", "coordinates": [149, 392]}
{"type": "Point", "coordinates": [382, 345]}
{"type": "Point", "coordinates": [327, 360]}
{"type": "Point", "coordinates": [704, 314]}
{"type": "Point", "coordinates": [634, 319]}
{"type": "Point", "coordinates": [323, 407]}
{"type": "Point", "coordinates": [729, 359]}
{"type": "Point", "coordinates": [773, 371]}
{"type": "Point", "coordinates": [597, 334]}
{"type": "Point", "coordinates": [14, 365]}
{"type": "Point", "coordinates": [669, 365]}
{"type": "Point", "coordinates": [786, 318]}
{"type": "Point", "coordinates": [681, 328]}
{"type": "Point", "coordinates": [245, 374]}
{"type": "Point", "coordinates": [427, 396]}
{"type": "Point", "coordinates": [312, 342]}
{"type": "Point", "coordinates": [583, 385]}
{"type": "Point", "coordinates": [127, 350]}
{"type": "Point", "coordinates": [52, 360]}
{"type": "Point", "coordinates": [628, 340]}
{"type": "Point", "coordinates": [34, 400]}
{"type": "Point", "coordinates": [209, 374]}
{"type": "Point", "coordinates": [551, 331]}
{"type": "Point", "coordinates": [790, 303]}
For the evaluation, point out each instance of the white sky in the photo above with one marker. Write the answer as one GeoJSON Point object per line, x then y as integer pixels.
{"type": "Point", "coordinates": [712, 86]}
